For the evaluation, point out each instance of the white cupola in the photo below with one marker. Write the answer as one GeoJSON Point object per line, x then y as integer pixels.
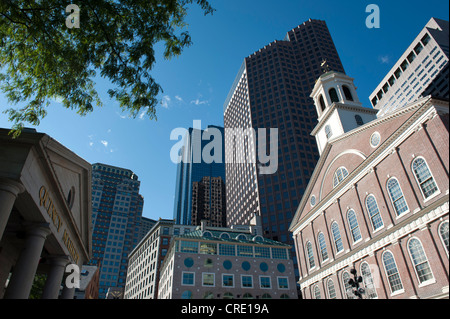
{"type": "Point", "coordinates": [338, 107]}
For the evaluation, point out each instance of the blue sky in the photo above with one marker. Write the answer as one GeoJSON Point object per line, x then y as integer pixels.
{"type": "Point", "coordinates": [197, 83]}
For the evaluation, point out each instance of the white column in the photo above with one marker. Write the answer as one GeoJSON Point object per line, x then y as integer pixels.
{"type": "Point", "coordinates": [19, 286]}
{"type": "Point", "coordinates": [54, 277]}
{"type": "Point", "coordinates": [9, 190]}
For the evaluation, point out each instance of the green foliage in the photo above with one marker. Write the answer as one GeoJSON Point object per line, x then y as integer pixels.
{"type": "Point", "coordinates": [41, 59]}
{"type": "Point", "coordinates": [38, 286]}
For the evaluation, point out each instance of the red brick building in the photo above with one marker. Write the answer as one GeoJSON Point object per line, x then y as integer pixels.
{"type": "Point", "coordinates": [378, 200]}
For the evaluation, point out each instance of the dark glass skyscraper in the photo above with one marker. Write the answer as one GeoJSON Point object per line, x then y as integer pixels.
{"type": "Point", "coordinates": [193, 168]}
{"type": "Point", "coordinates": [116, 216]}
{"type": "Point", "coordinates": [272, 90]}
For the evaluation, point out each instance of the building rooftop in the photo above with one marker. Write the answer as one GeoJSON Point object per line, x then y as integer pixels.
{"type": "Point", "coordinates": [230, 235]}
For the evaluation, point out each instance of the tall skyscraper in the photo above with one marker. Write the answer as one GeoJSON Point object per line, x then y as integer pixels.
{"type": "Point", "coordinates": [272, 90]}
{"type": "Point", "coordinates": [193, 168]}
{"type": "Point", "coordinates": [117, 211]}
{"type": "Point", "coordinates": [208, 201]}
{"type": "Point", "coordinates": [422, 70]}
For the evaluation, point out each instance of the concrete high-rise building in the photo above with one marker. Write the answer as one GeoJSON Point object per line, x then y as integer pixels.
{"type": "Point", "coordinates": [144, 227]}
{"type": "Point", "coordinates": [271, 90]}
{"type": "Point", "coordinates": [117, 211]}
{"type": "Point", "coordinates": [422, 70]}
{"type": "Point", "coordinates": [147, 257]}
{"type": "Point", "coordinates": [193, 168]}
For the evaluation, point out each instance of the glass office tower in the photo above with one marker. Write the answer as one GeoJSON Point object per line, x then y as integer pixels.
{"type": "Point", "coordinates": [192, 169]}
{"type": "Point", "coordinates": [116, 216]}
{"type": "Point", "coordinates": [272, 90]}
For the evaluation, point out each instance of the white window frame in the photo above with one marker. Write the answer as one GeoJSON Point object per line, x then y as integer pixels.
{"type": "Point", "coordinates": [242, 281]}
{"type": "Point", "coordinates": [440, 236]}
{"type": "Point", "coordinates": [182, 278]}
{"type": "Point", "coordinates": [310, 256]}
{"type": "Point", "coordinates": [397, 292]}
{"type": "Point", "coordinates": [287, 282]}
{"type": "Point", "coordinates": [328, 289]}
{"type": "Point", "coordinates": [429, 281]}
{"type": "Point", "coordinates": [335, 175]}
{"type": "Point", "coordinates": [392, 202]}
{"type": "Point", "coordinates": [357, 226]}
{"type": "Point", "coordinates": [225, 286]}
{"type": "Point", "coordinates": [320, 247]}
{"type": "Point", "coordinates": [260, 282]}
{"type": "Point", "coordinates": [334, 239]}
{"type": "Point", "coordinates": [370, 217]}
{"type": "Point", "coordinates": [203, 279]}
{"type": "Point", "coordinates": [437, 192]}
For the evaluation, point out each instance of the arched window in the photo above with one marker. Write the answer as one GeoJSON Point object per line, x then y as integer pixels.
{"type": "Point", "coordinates": [420, 261]}
{"type": "Point", "coordinates": [374, 212]}
{"type": "Point", "coordinates": [347, 93]}
{"type": "Point", "coordinates": [186, 295]}
{"type": "Point", "coordinates": [353, 225]}
{"type": "Point", "coordinates": [322, 103]}
{"type": "Point", "coordinates": [396, 195]}
{"type": "Point", "coordinates": [333, 95]}
{"type": "Point", "coordinates": [323, 246]}
{"type": "Point", "coordinates": [208, 295]}
{"type": "Point", "coordinates": [337, 237]}
{"type": "Point", "coordinates": [228, 295]}
{"type": "Point", "coordinates": [242, 237]}
{"type": "Point", "coordinates": [207, 234]}
{"type": "Point", "coordinates": [328, 131]}
{"type": "Point", "coordinates": [339, 175]}
{"type": "Point", "coordinates": [359, 120]}
{"type": "Point", "coordinates": [371, 292]}
{"type": "Point", "coordinates": [316, 292]}
{"type": "Point", "coordinates": [392, 274]}
{"type": "Point", "coordinates": [225, 236]}
{"type": "Point", "coordinates": [348, 290]}
{"type": "Point", "coordinates": [331, 289]}
{"type": "Point", "coordinates": [443, 232]}
{"type": "Point", "coordinates": [309, 251]}
{"type": "Point", "coordinates": [424, 177]}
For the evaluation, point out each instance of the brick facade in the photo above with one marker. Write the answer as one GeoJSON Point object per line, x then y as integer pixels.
{"type": "Point", "coordinates": [418, 131]}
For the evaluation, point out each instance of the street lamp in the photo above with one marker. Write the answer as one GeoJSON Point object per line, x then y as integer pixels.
{"type": "Point", "coordinates": [358, 291]}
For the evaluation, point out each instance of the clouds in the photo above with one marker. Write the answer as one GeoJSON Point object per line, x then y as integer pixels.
{"type": "Point", "coordinates": [200, 101]}
{"type": "Point", "coordinates": [102, 145]}
{"type": "Point", "coordinates": [384, 59]}
{"type": "Point", "coordinates": [166, 101]}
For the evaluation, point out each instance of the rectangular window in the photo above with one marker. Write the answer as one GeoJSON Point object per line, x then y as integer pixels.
{"type": "Point", "coordinates": [247, 281]}
{"type": "Point", "coordinates": [189, 247]}
{"type": "Point", "coordinates": [188, 278]}
{"type": "Point", "coordinates": [208, 279]}
{"type": "Point", "coordinates": [208, 248]}
{"type": "Point", "coordinates": [227, 280]}
{"type": "Point", "coordinates": [264, 282]}
{"type": "Point", "coordinates": [246, 251]}
{"type": "Point", "coordinates": [227, 250]}
{"type": "Point", "coordinates": [283, 283]}
{"type": "Point", "coordinates": [279, 253]}
{"type": "Point", "coordinates": [262, 252]}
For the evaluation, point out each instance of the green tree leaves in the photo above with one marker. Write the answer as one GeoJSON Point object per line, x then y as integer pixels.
{"type": "Point", "coordinates": [42, 60]}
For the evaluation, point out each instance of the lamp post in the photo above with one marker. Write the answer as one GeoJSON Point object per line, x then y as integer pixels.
{"type": "Point", "coordinates": [357, 291]}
